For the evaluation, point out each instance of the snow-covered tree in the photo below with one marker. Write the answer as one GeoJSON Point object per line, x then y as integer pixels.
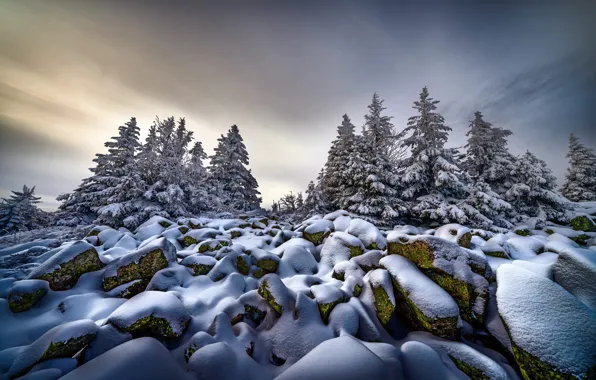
{"type": "Point", "coordinates": [114, 183]}
{"type": "Point", "coordinates": [229, 169]}
{"type": "Point", "coordinates": [532, 193]}
{"type": "Point", "coordinates": [375, 197]}
{"type": "Point", "coordinates": [316, 199]}
{"type": "Point", "coordinates": [336, 178]}
{"type": "Point", "coordinates": [580, 179]}
{"type": "Point", "coordinates": [19, 212]}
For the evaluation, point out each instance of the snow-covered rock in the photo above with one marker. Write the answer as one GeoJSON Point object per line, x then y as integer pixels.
{"type": "Point", "coordinates": [575, 270]}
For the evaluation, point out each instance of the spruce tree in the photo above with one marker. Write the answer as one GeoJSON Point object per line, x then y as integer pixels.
{"type": "Point", "coordinates": [336, 178]}
{"type": "Point", "coordinates": [532, 193]}
{"type": "Point", "coordinates": [375, 197]}
{"type": "Point", "coordinates": [19, 212]}
{"type": "Point", "coordinates": [580, 179]}
{"type": "Point", "coordinates": [316, 199]}
{"type": "Point", "coordinates": [232, 177]}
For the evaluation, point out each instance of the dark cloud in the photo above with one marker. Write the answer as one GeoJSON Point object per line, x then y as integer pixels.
{"type": "Point", "coordinates": [285, 72]}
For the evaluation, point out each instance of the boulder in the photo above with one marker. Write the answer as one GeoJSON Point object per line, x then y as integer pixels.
{"type": "Point", "coordinates": [25, 294]}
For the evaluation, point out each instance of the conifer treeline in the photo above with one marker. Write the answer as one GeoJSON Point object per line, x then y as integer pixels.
{"type": "Point", "coordinates": [165, 176]}
{"type": "Point", "coordinates": [385, 176]}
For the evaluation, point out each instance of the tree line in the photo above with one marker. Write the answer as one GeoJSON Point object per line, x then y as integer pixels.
{"type": "Point", "coordinates": [380, 174]}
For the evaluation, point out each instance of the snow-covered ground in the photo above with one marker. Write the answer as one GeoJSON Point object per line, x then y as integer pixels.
{"type": "Point", "coordinates": [333, 297]}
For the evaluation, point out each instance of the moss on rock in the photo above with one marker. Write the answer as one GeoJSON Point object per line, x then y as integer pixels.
{"type": "Point", "coordinates": [136, 287]}
{"type": "Point", "coordinates": [152, 326]}
{"type": "Point", "coordinates": [442, 327]}
{"type": "Point", "coordinates": [357, 290]}
{"type": "Point", "coordinates": [242, 265]}
{"type": "Point", "coordinates": [326, 308]}
{"type": "Point", "coordinates": [383, 306]}
{"type": "Point", "coordinates": [583, 223]}
{"type": "Point", "coordinates": [472, 372]}
{"type": "Point", "coordinates": [465, 240]}
{"type": "Point", "coordinates": [21, 301]}
{"type": "Point", "coordinates": [355, 251]}
{"type": "Point", "coordinates": [68, 273]}
{"type": "Point", "coordinates": [317, 237]}
{"type": "Point", "coordinates": [267, 296]}
{"type": "Point", "coordinates": [522, 232]}
{"type": "Point", "coordinates": [254, 314]}
{"type": "Point", "coordinates": [268, 265]}
{"type": "Point", "coordinates": [145, 268]}
{"type": "Point", "coordinates": [200, 269]}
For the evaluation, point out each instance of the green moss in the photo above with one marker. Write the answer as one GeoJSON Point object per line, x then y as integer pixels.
{"type": "Point", "coordinates": [152, 326]}
{"type": "Point", "coordinates": [183, 229]}
{"type": "Point", "coordinates": [187, 241]}
{"type": "Point", "coordinates": [338, 276]}
{"type": "Point", "coordinates": [580, 239]}
{"type": "Point", "coordinates": [418, 252]}
{"type": "Point", "coordinates": [244, 225]}
{"type": "Point", "coordinates": [19, 302]}
{"type": "Point", "coordinates": [549, 231]}
{"type": "Point", "coordinates": [383, 305]}
{"type": "Point", "coordinates": [94, 232]}
{"type": "Point", "coordinates": [147, 266]}
{"type": "Point", "coordinates": [499, 254]}
{"type": "Point", "coordinates": [212, 245]}
{"type": "Point", "coordinates": [459, 290]}
{"type": "Point", "coordinates": [522, 232]}
{"type": "Point", "coordinates": [473, 373]}
{"type": "Point", "coordinates": [266, 294]}
{"type": "Point", "coordinates": [235, 234]}
{"type": "Point", "coordinates": [241, 265]}
{"type": "Point", "coordinates": [194, 226]}
{"type": "Point", "coordinates": [135, 288]}
{"type": "Point", "coordinates": [465, 240]}
{"type": "Point", "coordinates": [200, 269]}
{"type": "Point", "coordinates": [254, 314]}
{"type": "Point", "coordinates": [268, 265]}
{"type": "Point", "coordinates": [258, 273]}
{"type": "Point", "coordinates": [265, 221]}
{"type": "Point", "coordinates": [164, 224]}
{"type": "Point", "coordinates": [373, 245]}
{"type": "Point", "coordinates": [326, 308]}
{"type": "Point", "coordinates": [189, 351]}
{"type": "Point", "coordinates": [357, 290]}
{"type": "Point", "coordinates": [355, 251]}
{"type": "Point", "coordinates": [442, 327]}
{"type": "Point", "coordinates": [67, 275]}
{"type": "Point", "coordinates": [583, 223]}
{"type": "Point", "coordinates": [531, 367]}
{"type": "Point", "coordinates": [315, 238]}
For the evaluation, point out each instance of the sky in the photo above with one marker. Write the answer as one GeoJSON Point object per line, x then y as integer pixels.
{"type": "Point", "coordinates": [72, 71]}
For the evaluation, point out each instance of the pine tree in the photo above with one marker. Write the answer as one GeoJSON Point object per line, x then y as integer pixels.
{"type": "Point", "coordinates": [580, 179]}
{"type": "Point", "coordinates": [336, 178]}
{"type": "Point", "coordinates": [228, 168]}
{"type": "Point", "coordinates": [532, 193]}
{"type": "Point", "coordinates": [375, 197]}
{"type": "Point", "coordinates": [20, 212]}
{"type": "Point", "coordinates": [201, 196]}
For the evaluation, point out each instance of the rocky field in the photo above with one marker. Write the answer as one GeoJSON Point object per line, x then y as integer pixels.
{"type": "Point", "coordinates": [333, 297]}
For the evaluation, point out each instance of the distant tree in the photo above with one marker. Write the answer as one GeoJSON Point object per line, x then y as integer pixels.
{"type": "Point", "coordinates": [580, 179]}
{"type": "Point", "coordinates": [299, 200]}
{"type": "Point", "coordinates": [19, 212]}
{"type": "Point", "coordinates": [232, 177]}
{"type": "Point", "coordinates": [288, 203]}
{"type": "Point", "coordinates": [316, 202]}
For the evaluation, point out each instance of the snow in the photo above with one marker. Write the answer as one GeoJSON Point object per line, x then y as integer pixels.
{"type": "Point", "coordinates": [420, 361]}
{"type": "Point", "coordinates": [429, 297]}
{"type": "Point", "coordinates": [326, 293]}
{"type": "Point", "coordinates": [342, 358]}
{"type": "Point", "coordinates": [545, 320]}
{"type": "Point", "coordinates": [138, 359]}
{"type": "Point", "coordinates": [452, 232]}
{"type": "Point", "coordinates": [336, 248]}
{"type": "Point", "coordinates": [367, 233]}
{"type": "Point", "coordinates": [66, 254]}
{"type": "Point", "coordinates": [575, 270]}
{"type": "Point", "coordinates": [163, 244]}
{"type": "Point", "coordinates": [523, 248]}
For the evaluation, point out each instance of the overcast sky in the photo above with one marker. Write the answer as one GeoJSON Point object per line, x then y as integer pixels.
{"type": "Point", "coordinates": [72, 71]}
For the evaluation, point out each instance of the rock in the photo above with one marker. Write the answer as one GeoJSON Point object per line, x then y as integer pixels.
{"type": "Point", "coordinates": [455, 233]}
{"type": "Point", "coordinates": [63, 341]}
{"type": "Point", "coordinates": [327, 297]}
{"type": "Point", "coordinates": [550, 330]}
{"type": "Point", "coordinates": [368, 261]}
{"type": "Point", "coordinates": [493, 250]}
{"type": "Point", "coordinates": [199, 264]}
{"type": "Point", "coordinates": [459, 271]}
{"type": "Point", "coordinates": [151, 313]}
{"type": "Point", "coordinates": [141, 264]}
{"type": "Point", "coordinates": [340, 246]}
{"type": "Point", "coordinates": [243, 264]}
{"type": "Point", "coordinates": [277, 295]}
{"type": "Point", "coordinates": [368, 233]}
{"type": "Point", "coordinates": [522, 230]}
{"type": "Point", "coordinates": [197, 236]}
{"type": "Point", "coordinates": [265, 260]}
{"type": "Point", "coordinates": [130, 289]}
{"type": "Point", "coordinates": [575, 270]}
{"type": "Point", "coordinates": [583, 223]}
{"type": "Point", "coordinates": [25, 294]}
{"type": "Point", "coordinates": [62, 271]}
{"type": "Point", "coordinates": [318, 230]}
{"type": "Point", "coordinates": [383, 298]}
{"type": "Point", "coordinates": [213, 245]}
{"type": "Point", "coordinates": [424, 304]}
